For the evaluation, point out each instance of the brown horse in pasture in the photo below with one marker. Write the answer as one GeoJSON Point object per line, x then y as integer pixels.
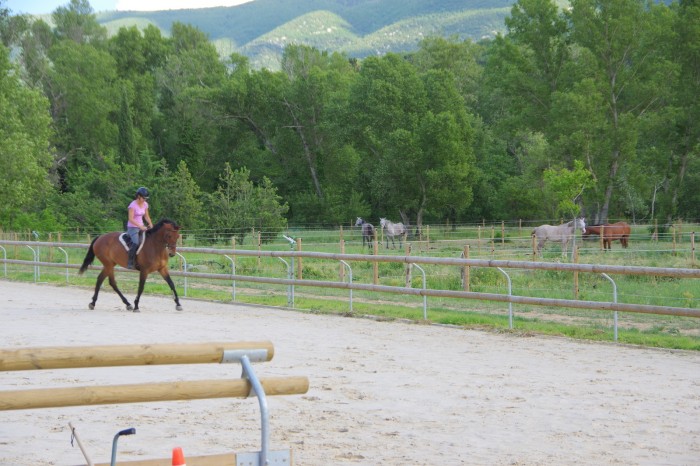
{"type": "Point", "coordinates": [159, 243]}
{"type": "Point", "coordinates": [610, 232]}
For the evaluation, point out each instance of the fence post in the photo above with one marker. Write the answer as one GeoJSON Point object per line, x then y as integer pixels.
{"type": "Point", "coordinates": [409, 269]}
{"type": "Point", "coordinates": [299, 268]}
{"type": "Point", "coordinates": [602, 237]}
{"type": "Point", "coordinates": [576, 288]}
{"type": "Point", "coordinates": [692, 248]}
{"type": "Point", "coordinates": [341, 272]}
{"type": "Point", "coordinates": [674, 239]}
{"type": "Point", "coordinates": [375, 264]}
{"type": "Point", "coordinates": [503, 233]}
{"type": "Point", "coordinates": [534, 247]}
{"type": "Point", "coordinates": [478, 239]}
{"type": "Point", "coordinates": [427, 238]}
{"type": "Point", "coordinates": [465, 269]}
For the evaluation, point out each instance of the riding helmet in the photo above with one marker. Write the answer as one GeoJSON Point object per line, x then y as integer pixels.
{"type": "Point", "coordinates": [143, 192]}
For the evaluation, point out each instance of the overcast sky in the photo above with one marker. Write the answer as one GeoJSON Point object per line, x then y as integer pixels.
{"type": "Point", "coordinates": [37, 7]}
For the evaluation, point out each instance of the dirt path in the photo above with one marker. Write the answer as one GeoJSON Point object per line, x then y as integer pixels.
{"type": "Point", "coordinates": [385, 393]}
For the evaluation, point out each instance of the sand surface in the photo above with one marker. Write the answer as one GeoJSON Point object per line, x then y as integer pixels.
{"type": "Point", "coordinates": [389, 393]}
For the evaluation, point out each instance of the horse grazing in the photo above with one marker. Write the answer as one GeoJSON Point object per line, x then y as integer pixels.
{"type": "Point", "coordinates": [367, 231]}
{"type": "Point", "coordinates": [610, 233]}
{"type": "Point", "coordinates": [159, 243]}
{"type": "Point", "coordinates": [560, 233]}
{"type": "Point", "coordinates": [393, 230]}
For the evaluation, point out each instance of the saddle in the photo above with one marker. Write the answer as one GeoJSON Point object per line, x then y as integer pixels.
{"type": "Point", "coordinates": [125, 240]}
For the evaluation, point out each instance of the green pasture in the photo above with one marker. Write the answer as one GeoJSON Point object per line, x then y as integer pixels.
{"type": "Point", "coordinates": [668, 250]}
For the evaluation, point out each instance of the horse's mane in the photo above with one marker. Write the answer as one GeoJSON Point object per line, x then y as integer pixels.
{"type": "Point", "coordinates": [159, 225]}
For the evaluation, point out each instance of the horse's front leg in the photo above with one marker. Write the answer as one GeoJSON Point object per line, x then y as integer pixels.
{"type": "Point", "coordinates": [169, 281]}
{"type": "Point", "coordinates": [142, 282]}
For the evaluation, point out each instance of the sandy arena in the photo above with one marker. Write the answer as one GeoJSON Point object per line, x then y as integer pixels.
{"type": "Point", "coordinates": [381, 393]}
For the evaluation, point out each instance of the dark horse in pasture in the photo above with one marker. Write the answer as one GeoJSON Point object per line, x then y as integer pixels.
{"type": "Point", "coordinates": [393, 230]}
{"type": "Point", "coordinates": [159, 243]}
{"type": "Point", "coordinates": [610, 232]}
{"type": "Point", "coordinates": [367, 231]}
{"type": "Point", "coordinates": [559, 233]}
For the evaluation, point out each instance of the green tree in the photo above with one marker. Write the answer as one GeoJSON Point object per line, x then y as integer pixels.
{"type": "Point", "coordinates": [180, 198]}
{"type": "Point", "coordinates": [238, 206]}
{"type": "Point", "coordinates": [25, 130]}
{"type": "Point", "coordinates": [564, 187]}
{"type": "Point", "coordinates": [83, 101]}
{"type": "Point", "coordinates": [77, 22]}
{"type": "Point", "coordinates": [629, 69]}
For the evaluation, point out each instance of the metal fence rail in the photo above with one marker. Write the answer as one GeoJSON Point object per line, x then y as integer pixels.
{"type": "Point", "coordinates": [406, 259]}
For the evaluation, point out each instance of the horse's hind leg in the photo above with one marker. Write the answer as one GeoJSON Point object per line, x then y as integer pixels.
{"type": "Point", "coordinates": [113, 283]}
{"type": "Point", "coordinates": [100, 278]}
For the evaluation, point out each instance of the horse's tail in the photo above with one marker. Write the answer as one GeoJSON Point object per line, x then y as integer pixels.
{"type": "Point", "coordinates": [89, 257]}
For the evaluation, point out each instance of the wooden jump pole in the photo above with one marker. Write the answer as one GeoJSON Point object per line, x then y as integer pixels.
{"type": "Point", "coordinates": [121, 355]}
{"type": "Point", "coordinates": [142, 393]}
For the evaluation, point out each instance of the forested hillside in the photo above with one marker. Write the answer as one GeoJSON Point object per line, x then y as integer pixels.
{"type": "Point", "coordinates": [591, 110]}
{"type": "Point", "coordinates": [262, 28]}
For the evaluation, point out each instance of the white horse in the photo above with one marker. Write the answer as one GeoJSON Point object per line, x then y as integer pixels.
{"type": "Point", "coordinates": [392, 230]}
{"type": "Point", "coordinates": [560, 233]}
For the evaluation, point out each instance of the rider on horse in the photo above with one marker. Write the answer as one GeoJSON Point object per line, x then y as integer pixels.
{"type": "Point", "coordinates": [139, 220]}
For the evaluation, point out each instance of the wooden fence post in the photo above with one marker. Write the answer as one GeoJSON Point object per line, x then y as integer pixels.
{"type": "Point", "coordinates": [299, 265]}
{"type": "Point", "coordinates": [602, 237]}
{"type": "Point", "coordinates": [465, 269]}
{"type": "Point", "coordinates": [576, 288]}
{"type": "Point", "coordinates": [341, 271]}
{"type": "Point", "coordinates": [692, 249]}
{"type": "Point", "coordinates": [375, 264]}
{"type": "Point", "coordinates": [503, 233]}
{"type": "Point", "coordinates": [478, 239]}
{"type": "Point", "coordinates": [534, 247]}
{"type": "Point", "coordinates": [409, 268]}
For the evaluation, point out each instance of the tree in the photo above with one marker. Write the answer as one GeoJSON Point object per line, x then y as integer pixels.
{"type": "Point", "coordinates": [180, 198]}
{"type": "Point", "coordinates": [77, 22]}
{"type": "Point", "coordinates": [629, 68]}
{"type": "Point", "coordinates": [564, 187]}
{"type": "Point", "coordinates": [238, 206]}
{"type": "Point", "coordinates": [25, 130]}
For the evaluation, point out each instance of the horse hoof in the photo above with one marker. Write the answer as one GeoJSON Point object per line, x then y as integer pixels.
{"type": "Point", "coordinates": [136, 310]}
{"type": "Point", "coordinates": [91, 306]}
{"type": "Point", "coordinates": [129, 307]}
{"type": "Point", "coordinates": [178, 308]}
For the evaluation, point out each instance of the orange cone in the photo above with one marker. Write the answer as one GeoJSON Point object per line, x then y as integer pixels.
{"type": "Point", "coordinates": [178, 457]}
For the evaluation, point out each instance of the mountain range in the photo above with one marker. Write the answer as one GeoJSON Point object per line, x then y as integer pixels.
{"type": "Point", "coordinates": [262, 28]}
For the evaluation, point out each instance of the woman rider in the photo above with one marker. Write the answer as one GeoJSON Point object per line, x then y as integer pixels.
{"type": "Point", "coordinates": [139, 220]}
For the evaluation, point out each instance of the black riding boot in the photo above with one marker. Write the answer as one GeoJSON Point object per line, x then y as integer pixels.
{"type": "Point", "coordinates": [132, 256]}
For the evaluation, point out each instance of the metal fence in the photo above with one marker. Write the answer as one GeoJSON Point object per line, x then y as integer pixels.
{"type": "Point", "coordinates": [345, 281]}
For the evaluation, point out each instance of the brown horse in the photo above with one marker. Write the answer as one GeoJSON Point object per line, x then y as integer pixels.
{"type": "Point", "coordinates": [610, 233]}
{"type": "Point", "coordinates": [160, 241]}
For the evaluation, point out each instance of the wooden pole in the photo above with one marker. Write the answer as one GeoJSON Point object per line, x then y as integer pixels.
{"type": "Point", "coordinates": [576, 287]}
{"type": "Point", "coordinates": [409, 268]}
{"type": "Point", "coordinates": [503, 233]}
{"type": "Point", "coordinates": [465, 269]}
{"type": "Point", "coordinates": [375, 264]}
{"type": "Point", "coordinates": [299, 265]}
{"type": "Point", "coordinates": [341, 270]}
{"type": "Point", "coordinates": [64, 357]}
{"type": "Point", "coordinates": [534, 247]}
{"type": "Point", "coordinates": [148, 392]}
{"type": "Point", "coordinates": [692, 248]}
{"type": "Point", "coordinates": [602, 237]}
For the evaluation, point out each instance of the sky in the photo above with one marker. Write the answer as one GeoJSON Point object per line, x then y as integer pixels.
{"type": "Point", "coordinates": [37, 7]}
